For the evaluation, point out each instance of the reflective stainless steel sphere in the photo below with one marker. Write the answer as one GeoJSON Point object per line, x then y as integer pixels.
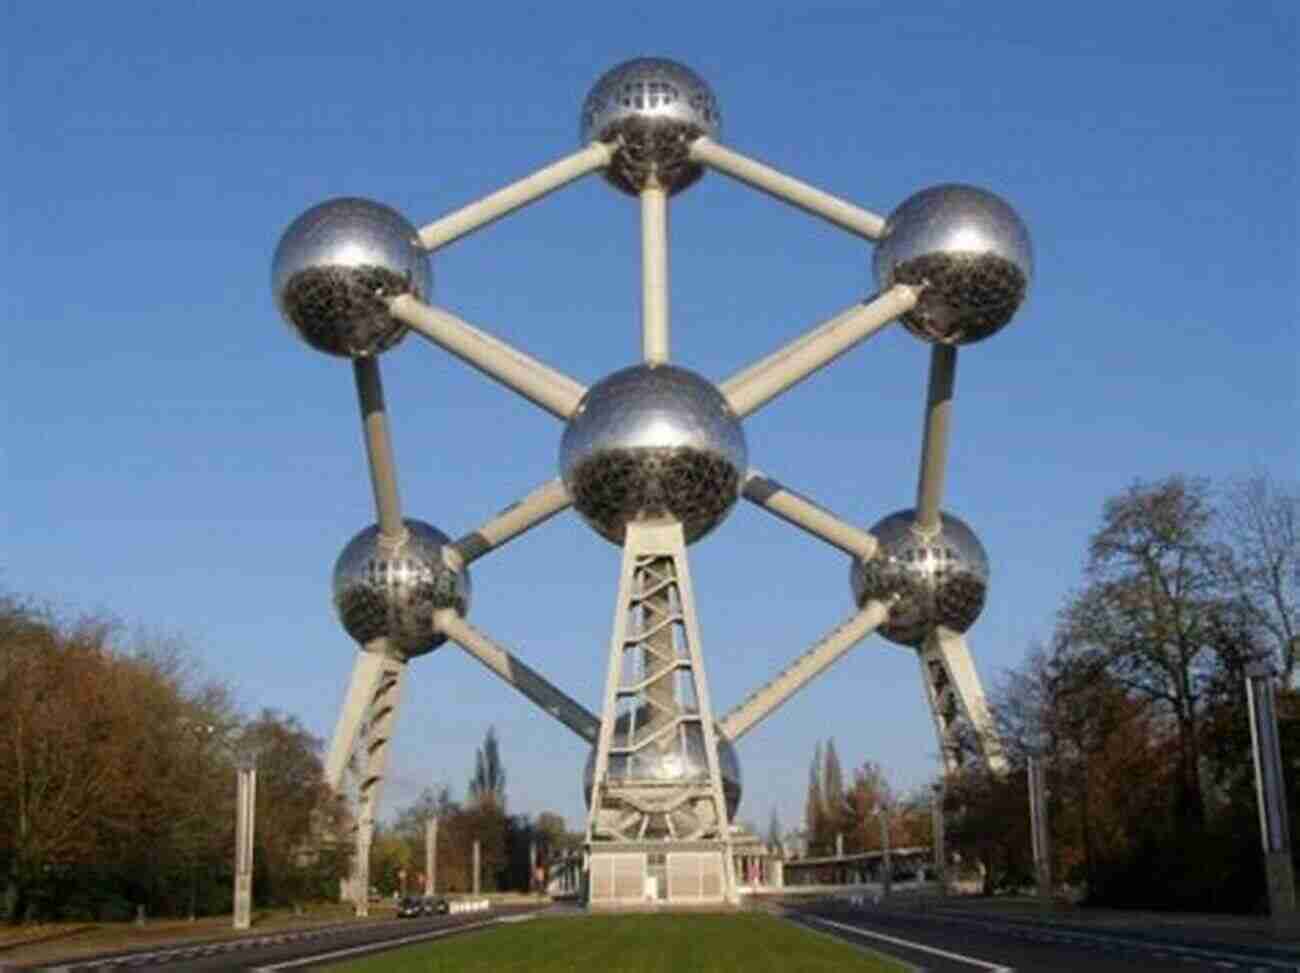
{"type": "Point", "coordinates": [652, 109]}
{"type": "Point", "coordinates": [335, 266]}
{"type": "Point", "coordinates": [972, 253]}
{"type": "Point", "coordinates": [685, 761]}
{"type": "Point", "coordinates": [653, 442]}
{"type": "Point", "coordinates": [939, 580]}
{"type": "Point", "coordinates": [392, 593]}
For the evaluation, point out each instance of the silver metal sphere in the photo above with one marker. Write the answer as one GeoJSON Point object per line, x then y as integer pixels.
{"type": "Point", "coordinates": [938, 580]}
{"type": "Point", "coordinates": [335, 266]}
{"type": "Point", "coordinates": [392, 593]}
{"type": "Point", "coordinates": [684, 761]}
{"type": "Point", "coordinates": [972, 253]}
{"type": "Point", "coordinates": [652, 109]}
{"type": "Point", "coordinates": [653, 442]}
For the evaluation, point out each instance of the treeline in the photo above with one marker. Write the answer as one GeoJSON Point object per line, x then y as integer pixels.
{"type": "Point", "coordinates": [856, 815]}
{"type": "Point", "coordinates": [117, 781]}
{"type": "Point", "coordinates": [508, 844]}
{"type": "Point", "coordinates": [1136, 706]}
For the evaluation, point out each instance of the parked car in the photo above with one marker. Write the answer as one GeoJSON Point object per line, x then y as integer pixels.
{"type": "Point", "coordinates": [436, 905]}
{"type": "Point", "coordinates": [411, 907]}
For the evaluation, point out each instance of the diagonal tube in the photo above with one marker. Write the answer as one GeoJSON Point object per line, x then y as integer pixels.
{"type": "Point", "coordinates": [379, 446]}
{"type": "Point", "coordinates": [654, 275]}
{"type": "Point", "coordinates": [540, 384]}
{"type": "Point", "coordinates": [934, 443]}
{"type": "Point", "coordinates": [838, 211]}
{"type": "Point", "coordinates": [501, 661]}
{"type": "Point", "coordinates": [765, 701]}
{"type": "Point", "coordinates": [950, 649]}
{"type": "Point", "coordinates": [751, 389]}
{"type": "Point", "coordinates": [777, 499]}
{"type": "Point", "coordinates": [366, 672]}
{"type": "Point", "coordinates": [536, 508]}
{"type": "Point", "coordinates": [546, 180]}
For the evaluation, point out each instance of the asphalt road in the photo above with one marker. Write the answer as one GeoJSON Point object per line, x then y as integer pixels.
{"type": "Point", "coordinates": [296, 950]}
{"type": "Point", "coordinates": [950, 942]}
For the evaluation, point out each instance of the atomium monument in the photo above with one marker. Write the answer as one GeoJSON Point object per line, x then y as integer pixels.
{"type": "Point", "coordinates": [653, 457]}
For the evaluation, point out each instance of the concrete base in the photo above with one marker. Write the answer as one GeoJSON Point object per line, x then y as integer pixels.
{"type": "Point", "coordinates": [656, 875]}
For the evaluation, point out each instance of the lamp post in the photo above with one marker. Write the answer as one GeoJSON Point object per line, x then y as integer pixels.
{"type": "Point", "coordinates": [882, 812]}
{"type": "Point", "coordinates": [245, 808]}
{"type": "Point", "coordinates": [1270, 794]}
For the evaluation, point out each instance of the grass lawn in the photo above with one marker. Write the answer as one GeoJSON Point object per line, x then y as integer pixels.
{"type": "Point", "coordinates": [746, 943]}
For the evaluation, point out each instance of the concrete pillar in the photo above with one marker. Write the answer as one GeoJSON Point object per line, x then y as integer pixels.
{"type": "Point", "coordinates": [1270, 794]}
{"type": "Point", "coordinates": [477, 866]}
{"type": "Point", "coordinates": [431, 856]}
{"type": "Point", "coordinates": [245, 806]}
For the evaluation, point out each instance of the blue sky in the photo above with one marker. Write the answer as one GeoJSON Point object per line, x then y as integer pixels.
{"type": "Point", "coordinates": [175, 457]}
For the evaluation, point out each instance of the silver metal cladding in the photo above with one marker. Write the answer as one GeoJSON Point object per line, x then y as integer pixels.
{"type": "Point", "coordinates": [938, 579]}
{"type": "Point", "coordinates": [653, 442]}
{"type": "Point", "coordinates": [971, 253]}
{"type": "Point", "coordinates": [336, 266]}
{"type": "Point", "coordinates": [392, 592]}
{"type": "Point", "coordinates": [683, 759]}
{"type": "Point", "coordinates": [651, 109]}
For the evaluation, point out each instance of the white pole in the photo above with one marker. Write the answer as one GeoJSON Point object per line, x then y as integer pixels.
{"type": "Point", "coordinates": [1270, 793]}
{"type": "Point", "coordinates": [526, 680]}
{"type": "Point", "coordinates": [1039, 828]}
{"type": "Point", "coordinates": [245, 808]}
{"type": "Point", "coordinates": [755, 387]}
{"type": "Point", "coordinates": [476, 215]}
{"type": "Point", "coordinates": [934, 442]}
{"type": "Point", "coordinates": [540, 384]}
{"type": "Point", "coordinates": [794, 509]}
{"type": "Point", "coordinates": [763, 702]}
{"type": "Point", "coordinates": [431, 856]}
{"type": "Point", "coordinates": [379, 447]}
{"type": "Point", "coordinates": [536, 508]}
{"type": "Point", "coordinates": [654, 275]}
{"type": "Point", "coordinates": [787, 189]}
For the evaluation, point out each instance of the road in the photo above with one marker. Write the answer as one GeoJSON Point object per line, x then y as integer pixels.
{"type": "Point", "coordinates": [942, 941]}
{"type": "Point", "coordinates": [296, 950]}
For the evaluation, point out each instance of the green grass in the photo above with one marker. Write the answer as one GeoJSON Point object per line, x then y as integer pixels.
{"type": "Point", "coordinates": [746, 943]}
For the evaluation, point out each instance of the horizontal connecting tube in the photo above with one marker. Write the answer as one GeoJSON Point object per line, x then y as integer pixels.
{"type": "Point", "coordinates": [788, 189]}
{"type": "Point", "coordinates": [540, 384]}
{"type": "Point", "coordinates": [527, 681]}
{"type": "Point", "coordinates": [536, 508]}
{"type": "Point", "coordinates": [802, 671]}
{"type": "Point", "coordinates": [806, 515]}
{"type": "Point", "coordinates": [504, 201]}
{"type": "Point", "coordinates": [751, 389]}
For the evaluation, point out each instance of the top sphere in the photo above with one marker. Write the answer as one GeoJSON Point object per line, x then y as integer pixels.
{"type": "Point", "coordinates": [930, 580]}
{"type": "Point", "coordinates": [651, 442]}
{"type": "Point", "coordinates": [651, 109]}
{"type": "Point", "coordinates": [972, 253]}
{"type": "Point", "coordinates": [335, 267]}
{"type": "Point", "coordinates": [392, 592]}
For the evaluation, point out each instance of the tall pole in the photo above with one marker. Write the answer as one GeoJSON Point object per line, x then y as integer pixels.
{"type": "Point", "coordinates": [1270, 794]}
{"type": "Point", "coordinates": [245, 805]}
{"type": "Point", "coordinates": [940, 839]}
{"type": "Point", "coordinates": [431, 856]}
{"type": "Point", "coordinates": [1040, 828]}
{"type": "Point", "coordinates": [477, 865]}
{"type": "Point", "coordinates": [887, 861]}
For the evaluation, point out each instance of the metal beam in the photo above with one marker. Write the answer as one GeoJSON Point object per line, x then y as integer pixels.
{"type": "Point", "coordinates": [934, 442]}
{"type": "Point", "coordinates": [540, 384]}
{"type": "Point", "coordinates": [794, 509]}
{"type": "Point", "coordinates": [763, 702]}
{"type": "Point", "coordinates": [654, 275]}
{"type": "Point", "coordinates": [490, 208]}
{"type": "Point", "coordinates": [949, 650]}
{"type": "Point", "coordinates": [379, 447]}
{"type": "Point", "coordinates": [838, 211]}
{"type": "Point", "coordinates": [505, 664]}
{"type": "Point", "coordinates": [759, 384]}
{"type": "Point", "coordinates": [536, 508]}
{"type": "Point", "coordinates": [366, 671]}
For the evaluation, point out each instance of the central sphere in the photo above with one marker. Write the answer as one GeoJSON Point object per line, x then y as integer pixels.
{"type": "Point", "coordinates": [650, 109]}
{"type": "Point", "coordinates": [650, 443]}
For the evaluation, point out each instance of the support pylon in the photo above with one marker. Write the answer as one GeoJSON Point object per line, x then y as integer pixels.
{"type": "Point", "coordinates": [657, 782]}
{"type": "Point", "coordinates": [953, 691]}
